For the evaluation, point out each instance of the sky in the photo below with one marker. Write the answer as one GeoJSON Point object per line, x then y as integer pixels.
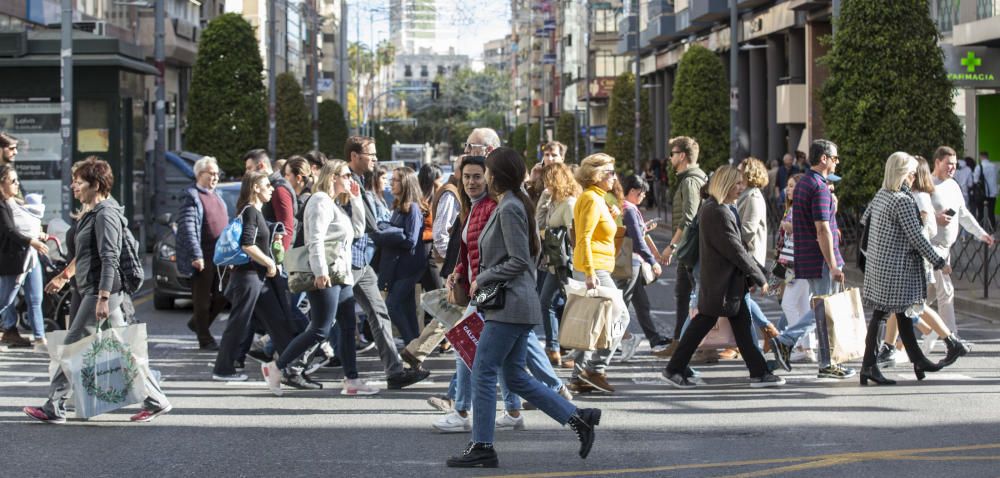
{"type": "Point", "coordinates": [466, 24]}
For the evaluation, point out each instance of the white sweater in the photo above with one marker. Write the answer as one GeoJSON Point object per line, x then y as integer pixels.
{"type": "Point", "coordinates": [948, 195]}
{"type": "Point", "coordinates": [325, 223]}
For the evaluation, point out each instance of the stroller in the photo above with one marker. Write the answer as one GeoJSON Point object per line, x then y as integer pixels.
{"type": "Point", "coordinates": [55, 307]}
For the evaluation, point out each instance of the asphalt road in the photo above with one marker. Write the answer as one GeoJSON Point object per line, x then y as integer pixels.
{"type": "Point", "coordinates": [945, 425]}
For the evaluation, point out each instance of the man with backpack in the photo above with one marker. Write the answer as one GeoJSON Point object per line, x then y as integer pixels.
{"type": "Point", "coordinates": [687, 199]}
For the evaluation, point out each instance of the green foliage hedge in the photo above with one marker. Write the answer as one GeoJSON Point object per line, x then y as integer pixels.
{"type": "Point", "coordinates": [700, 106]}
{"type": "Point", "coordinates": [294, 134]}
{"type": "Point", "coordinates": [621, 124]}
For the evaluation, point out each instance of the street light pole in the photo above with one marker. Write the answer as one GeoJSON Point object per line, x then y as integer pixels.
{"type": "Point", "coordinates": [586, 41]}
{"type": "Point", "coordinates": [314, 26]}
{"type": "Point", "coordinates": [636, 164]}
{"type": "Point", "coordinates": [734, 64]}
{"type": "Point", "coordinates": [66, 108]}
{"type": "Point", "coordinates": [159, 145]}
{"type": "Point", "coordinates": [272, 97]}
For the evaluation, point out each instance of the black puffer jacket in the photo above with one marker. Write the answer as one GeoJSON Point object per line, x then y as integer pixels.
{"type": "Point", "coordinates": [13, 245]}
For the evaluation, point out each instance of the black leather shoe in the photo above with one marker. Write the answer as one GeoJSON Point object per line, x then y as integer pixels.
{"type": "Point", "coordinates": [300, 382]}
{"type": "Point", "coordinates": [583, 423]}
{"type": "Point", "coordinates": [209, 346]}
{"type": "Point", "coordinates": [875, 375]}
{"type": "Point", "coordinates": [476, 455]}
{"type": "Point", "coordinates": [406, 378]}
{"type": "Point", "coordinates": [919, 369]}
{"type": "Point", "coordinates": [956, 348]}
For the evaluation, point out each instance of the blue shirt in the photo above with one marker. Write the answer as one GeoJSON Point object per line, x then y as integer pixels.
{"type": "Point", "coordinates": [363, 248]}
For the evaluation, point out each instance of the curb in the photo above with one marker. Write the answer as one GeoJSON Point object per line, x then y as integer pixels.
{"type": "Point", "coordinates": [983, 309]}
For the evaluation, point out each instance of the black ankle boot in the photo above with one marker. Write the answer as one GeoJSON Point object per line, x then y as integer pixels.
{"type": "Point", "coordinates": [956, 348]}
{"type": "Point", "coordinates": [874, 374]}
{"type": "Point", "coordinates": [920, 368]}
{"type": "Point", "coordinates": [583, 423]}
{"type": "Point", "coordinates": [475, 455]}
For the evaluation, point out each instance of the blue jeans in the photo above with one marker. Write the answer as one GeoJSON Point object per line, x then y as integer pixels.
{"type": "Point", "coordinates": [9, 285]}
{"type": "Point", "coordinates": [462, 393]}
{"type": "Point", "coordinates": [402, 305]}
{"type": "Point", "coordinates": [326, 307]}
{"type": "Point", "coordinates": [503, 349]}
{"type": "Point", "coordinates": [790, 336]}
{"type": "Point", "coordinates": [551, 290]}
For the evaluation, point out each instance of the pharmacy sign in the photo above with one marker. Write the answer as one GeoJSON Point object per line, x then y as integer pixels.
{"type": "Point", "coordinates": [972, 67]}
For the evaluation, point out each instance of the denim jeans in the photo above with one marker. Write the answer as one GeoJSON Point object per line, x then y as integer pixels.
{"type": "Point", "coordinates": [549, 294]}
{"type": "Point", "coordinates": [791, 335]}
{"type": "Point", "coordinates": [327, 306]}
{"type": "Point", "coordinates": [503, 351]}
{"type": "Point", "coordinates": [9, 285]}
{"type": "Point", "coordinates": [32, 283]}
{"type": "Point", "coordinates": [462, 393]}
{"type": "Point", "coordinates": [402, 304]}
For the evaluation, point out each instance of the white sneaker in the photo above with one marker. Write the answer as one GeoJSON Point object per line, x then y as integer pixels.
{"type": "Point", "coordinates": [506, 422]}
{"type": "Point", "coordinates": [629, 347]}
{"type": "Point", "coordinates": [453, 423]}
{"type": "Point", "coordinates": [803, 355]}
{"type": "Point", "coordinates": [272, 377]}
{"type": "Point", "coordinates": [356, 386]}
{"type": "Point", "coordinates": [930, 340]}
{"type": "Point", "coordinates": [236, 377]}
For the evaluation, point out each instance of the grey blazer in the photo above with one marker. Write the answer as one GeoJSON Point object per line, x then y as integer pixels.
{"type": "Point", "coordinates": [505, 255]}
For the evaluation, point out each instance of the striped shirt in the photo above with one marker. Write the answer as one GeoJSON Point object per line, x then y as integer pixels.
{"type": "Point", "coordinates": [812, 203]}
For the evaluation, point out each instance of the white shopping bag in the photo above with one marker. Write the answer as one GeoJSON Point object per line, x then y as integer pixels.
{"type": "Point", "coordinates": [436, 303]}
{"type": "Point", "coordinates": [592, 319]}
{"type": "Point", "coordinates": [107, 370]}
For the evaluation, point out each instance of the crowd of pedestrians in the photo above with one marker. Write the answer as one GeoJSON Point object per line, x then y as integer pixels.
{"type": "Point", "coordinates": [317, 234]}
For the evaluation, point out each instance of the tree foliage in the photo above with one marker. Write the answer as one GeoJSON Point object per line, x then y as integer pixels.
{"type": "Point", "coordinates": [567, 132]}
{"type": "Point", "coordinates": [887, 91]}
{"type": "Point", "coordinates": [228, 112]}
{"type": "Point", "coordinates": [532, 154]}
{"type": "Point", "coordinates": [621, 124]}
{"type": "Point", "coordinates": [700, 106]}
{"type": "Point", "coordinates": [517, 139]}
{"type": "Point", "coordinates": [468, 99]}
{"type": "Point", "coordinates": [332, 129]}
{"type": "Point", "coordinates": [294, 134]}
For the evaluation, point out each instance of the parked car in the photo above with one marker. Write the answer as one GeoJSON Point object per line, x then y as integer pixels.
{"type": "Point", "coordinates": [167, 284]}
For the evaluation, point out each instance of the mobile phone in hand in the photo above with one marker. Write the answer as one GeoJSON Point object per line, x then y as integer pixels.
{"type": "Point", "coordinates": [949, 212]}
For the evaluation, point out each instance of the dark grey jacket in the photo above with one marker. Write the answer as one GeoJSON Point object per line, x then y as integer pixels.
{"type": "Point", "coordinates": [99, 248]}
{"type": "Point", "coordinates": [726, 266]}
{"type": "Point", "coordinates": [505, 255]}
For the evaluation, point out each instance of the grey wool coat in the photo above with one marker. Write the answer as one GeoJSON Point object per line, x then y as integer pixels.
{"type": "Point", "coordinates": [726, 267]}
{"type": "Point", "coordinates": [894, 270]}
{"type": "Point", "coordinates": [505, 255]}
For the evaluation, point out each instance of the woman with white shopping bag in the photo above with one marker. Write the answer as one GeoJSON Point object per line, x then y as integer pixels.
{"type": "Point", "coordinates": [99, 237]}
{"type": "Point", "coordinates": [727, 272]}
{"type": "Point", "coordinates": [507, 250]}
{"type": "Point", "coordinates": [895, 279]}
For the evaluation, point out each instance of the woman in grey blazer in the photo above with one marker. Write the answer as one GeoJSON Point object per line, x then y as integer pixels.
{"type": "Point", "coordinates": [507, 248]}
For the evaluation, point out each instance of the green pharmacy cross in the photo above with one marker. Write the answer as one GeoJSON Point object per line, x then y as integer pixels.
{"type": "Point", "coordinates": [971, 62]}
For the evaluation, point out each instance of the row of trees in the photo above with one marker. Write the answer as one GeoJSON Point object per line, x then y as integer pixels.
{"type": "Point", "coordinates": [228, 113]}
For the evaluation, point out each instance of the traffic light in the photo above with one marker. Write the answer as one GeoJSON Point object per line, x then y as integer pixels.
{"type": "Point", "coordinates": [435, 90]}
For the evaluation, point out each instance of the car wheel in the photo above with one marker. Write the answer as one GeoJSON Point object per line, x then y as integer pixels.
{"type": "Point", "coordinates": [161, 302]}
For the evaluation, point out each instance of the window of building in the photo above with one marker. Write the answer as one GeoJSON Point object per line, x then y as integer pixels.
{"type": "Point", "coordinates": [407, 71]}
{"type": "Point", "coordinates": [423, 71]}
{"type": "Point", "coordinates": [606, 64]}
{"type": "Point", "coordinates": [441, 69]}
{"type": "Point", "coordinates": [606, 21]}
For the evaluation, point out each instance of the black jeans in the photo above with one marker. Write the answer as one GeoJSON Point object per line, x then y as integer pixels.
{"type": "Point", "coordinates": [875, 333]}
{"type": "Point", "coordinates": [253, 297]}
{"type": "Point", "coordinates": [208, 300]}
{"type": "Point", "coordinates": [325, 306]}
{"type": "Point", "coordinates": [702, 324]}
{"type": "Point", "coordinates": [683, 287]}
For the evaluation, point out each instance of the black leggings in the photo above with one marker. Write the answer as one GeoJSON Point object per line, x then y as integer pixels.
{"type": "Point", "coordinates": [702, 324]}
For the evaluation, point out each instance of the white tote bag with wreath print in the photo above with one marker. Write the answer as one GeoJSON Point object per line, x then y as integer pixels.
{"type": "Point", "coordinates": [107, 370]}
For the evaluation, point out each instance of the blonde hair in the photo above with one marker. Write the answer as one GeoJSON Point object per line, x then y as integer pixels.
{"type": "Point", "coordinates": [722, 181]}
{"type": "Point", "coordinates": [559, 181]}
{"type": "Point", "coordinates": [924, 182]}
{"type": "Point", "coordinates": [590, 169]}
{"type": "Point", "coordinates": [754, 172]}
{"type": "Point", "coordinates": [324, 180]}
{"type": "Point", "coordinates": [897, 167]}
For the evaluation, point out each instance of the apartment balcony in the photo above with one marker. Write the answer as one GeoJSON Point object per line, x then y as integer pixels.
{"type": "Point", "coordinates": [661, 28]}
{"type": "Point", "coordinates": [808, 5]}
{"type": "Point", "coordinates": [746, 4]}
{"type": "Point", "coordinates": [709, 10]}
{"type": "Point", "coordinates": [626, 35]}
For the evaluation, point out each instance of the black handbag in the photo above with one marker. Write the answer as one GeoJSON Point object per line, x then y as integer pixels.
{"type": "Point", "coordinates": [491, 297]}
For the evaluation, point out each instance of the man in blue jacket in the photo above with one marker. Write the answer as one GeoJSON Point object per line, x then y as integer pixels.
{"type": "Point", "coordinates": [202, 218]}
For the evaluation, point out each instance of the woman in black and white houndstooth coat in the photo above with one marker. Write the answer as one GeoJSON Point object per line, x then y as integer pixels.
{"type": "Point", "coordinates": [895, 281]}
